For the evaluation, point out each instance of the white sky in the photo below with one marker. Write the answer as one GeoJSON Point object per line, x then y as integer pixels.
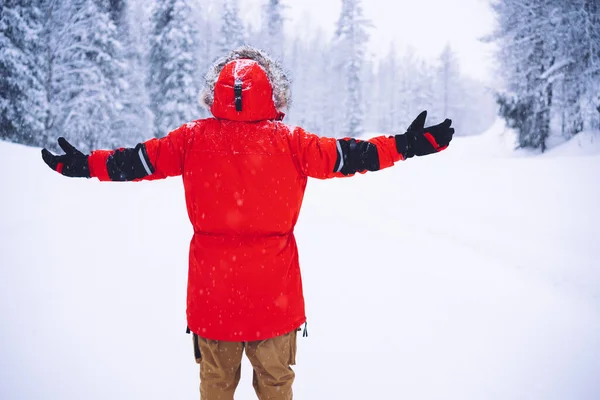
{"type": "Point", "coordinates": [427, 25]}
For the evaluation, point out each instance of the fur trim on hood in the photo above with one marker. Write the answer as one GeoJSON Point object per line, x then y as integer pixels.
{"type": "Point", "coordinates": [277, 76]}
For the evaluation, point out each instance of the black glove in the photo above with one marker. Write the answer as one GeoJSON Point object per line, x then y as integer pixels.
{"type": "Point", "coordinates": [420, 141]}
{"type": "Point", "coordinates": [74, 163]}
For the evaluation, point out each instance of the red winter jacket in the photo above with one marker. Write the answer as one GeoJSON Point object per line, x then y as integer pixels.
{"type": "Point", "coordinates": [244, 175]}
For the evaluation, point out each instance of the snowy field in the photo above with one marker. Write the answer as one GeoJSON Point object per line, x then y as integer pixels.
{"type": "Point", "coordinates": [473, 274]}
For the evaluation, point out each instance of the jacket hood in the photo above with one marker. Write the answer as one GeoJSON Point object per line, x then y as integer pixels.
{"type": "Point", "coordinates": [246, 85]}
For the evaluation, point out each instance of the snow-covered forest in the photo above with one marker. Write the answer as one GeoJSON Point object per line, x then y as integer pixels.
{"type": "Point", "coordinates": [549, 53]}
{"type": "Point", "coordinates": [108, 73]}
{"type": "Point", "coordinates": [112, 73]}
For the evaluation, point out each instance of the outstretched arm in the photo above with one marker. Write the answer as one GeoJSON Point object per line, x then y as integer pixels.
{"type": "Point", "coordinates": [153, 159]}
{"type": "Point", "coordinates": [323, 158]}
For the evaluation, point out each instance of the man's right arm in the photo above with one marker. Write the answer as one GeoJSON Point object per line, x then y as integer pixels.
{"type": "Point", "coordinates": [153, 159]}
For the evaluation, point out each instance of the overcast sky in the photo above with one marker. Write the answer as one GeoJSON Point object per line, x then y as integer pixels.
{"type": "Point", "coordinates": [427, 25]}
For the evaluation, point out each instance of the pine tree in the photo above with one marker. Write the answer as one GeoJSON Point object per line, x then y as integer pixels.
{"type": "Point", "coordinates": [134, 121]}
{"type": "Point", "coordinates": [350, 48]}
{"type": "Point", "coordinates": [549, 50]}
{"type": "Point", "coordinates": [82, 73]}
{"type": "Point", "coordinates": [448, 78]}
{"type": "Point", "coordinates": [368, 81]}
{"type": "Point", "coordinates": [232, 30]}
{"type": "Point", "coordinates": [524, 40]}
{"type": "Point", "coordinates": [205, 48]}
{"type": "Point", "coordinates": [173, 78]}
{"type": "Point", "coordinates": [580, 50]}
{"type": "Point", "coordinates": [299, 77]}
{"type": "Point", "coordinates": [210, 21]}
{"type": "Point", "coordinates": [310, 62]}
{"type": "Point", "coordinates": [416, 88]}
{"type": "Point", "coordinates": [452, 96]}
{"type": "Point", "coordinates": [118, 11]}
{"type": "Point", "coordinates": [386, 106]}
{"type": "Point", "coordinates": [23, 105]}
{"type": "Point", "coordinates": [272, 36]}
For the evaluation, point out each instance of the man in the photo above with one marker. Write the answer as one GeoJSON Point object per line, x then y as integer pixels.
{"type": "Point", "coordinates": [244, 173]}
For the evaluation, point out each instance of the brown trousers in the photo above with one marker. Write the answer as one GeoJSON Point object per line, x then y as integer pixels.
{"type": "Point", "coordinates": [220, 366]}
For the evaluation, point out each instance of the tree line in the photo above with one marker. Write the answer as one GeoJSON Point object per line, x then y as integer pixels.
{"type": "Point", "coordinates": [110, 73]}
{"type": "Point", "coordinates": [549, 54]}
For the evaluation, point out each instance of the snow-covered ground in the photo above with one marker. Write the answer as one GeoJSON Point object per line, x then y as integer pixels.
{"type": "Point", "coordinates": [472, 274]}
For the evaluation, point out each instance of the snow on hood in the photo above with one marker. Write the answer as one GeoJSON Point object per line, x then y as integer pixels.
{"type": "Point", "coordinates": [279, 80]}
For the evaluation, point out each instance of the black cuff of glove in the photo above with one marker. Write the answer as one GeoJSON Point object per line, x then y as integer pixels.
{"type": "Point", "coordinates": [403, 146]}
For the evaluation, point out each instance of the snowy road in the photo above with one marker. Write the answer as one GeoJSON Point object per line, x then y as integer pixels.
{"type": "Point", "coordinates": [473, 274]}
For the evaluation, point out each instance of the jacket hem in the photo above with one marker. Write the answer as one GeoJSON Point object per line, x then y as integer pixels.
{"type": "Point", "coordinates": [207, 334]}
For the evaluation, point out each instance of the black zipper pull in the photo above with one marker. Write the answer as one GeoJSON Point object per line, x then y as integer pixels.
{"type": "Point", "coordinates": [305, 333]}
{"type": "Point", "coordinates": [237, 91]}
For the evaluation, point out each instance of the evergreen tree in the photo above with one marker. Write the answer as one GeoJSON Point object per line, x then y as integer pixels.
{"type": "Point", "coordinates": [525, 42]}
{"type": "Point", "coordinates": [23, 105]}
{"type": "Point", "coordinates": [209, 36]}
{"type": "Point", "coordinates": [118, 11]}
{"type": "Point", "coordinates": [82, 74]}
{"type": "Point", "coordinates": [416, 88]}
{"type": "Point", "coordinates": [232, 30]}
{"type": "Point", "coordinates": [205, 48]}
{"type": "Point", "coordinates": [350, 47]}
{"type": "Point", "coordinates": [299, 77]}
{"type": "Point", "coordinates": [272, 36]}
{"type": "Point", "coordinates": [309, 63]}
{"type": "Point", "coordinates": [453, 99]}
{"type": "Point", "coordinates": [549, 51]}
{"type": "Point", "coordinates": [386, 105]}
{"type": "Point", "coordinates": [368, 82]}
{"type": "Point", "coordinates": [173, 79]}
{"type": "Point", "coordinates": [134, 121]}
{"type": "Point", "coordinates": [579, 41]}
{"type": "Point", "coordinates": [448, 79]}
